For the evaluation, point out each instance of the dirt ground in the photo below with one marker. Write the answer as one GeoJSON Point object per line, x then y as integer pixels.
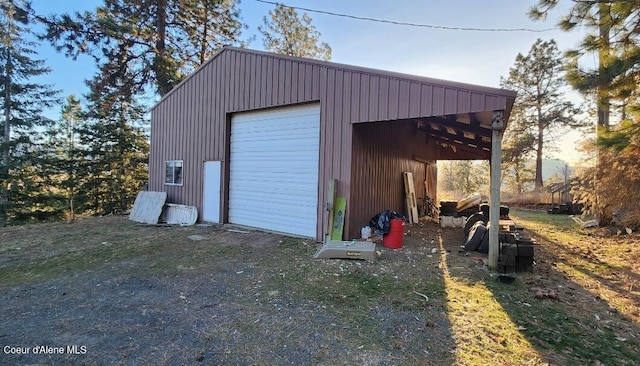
{"type": "Point", "coordinates": [109, 291]}
{"type": "Point", "coordinates": [176, 296]}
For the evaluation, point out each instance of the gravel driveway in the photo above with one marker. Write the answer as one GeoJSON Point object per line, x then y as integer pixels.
{"type": "Point", "coordinates": [106, 291]}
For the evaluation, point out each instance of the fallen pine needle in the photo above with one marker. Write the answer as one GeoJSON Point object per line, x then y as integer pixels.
{"type": "Point", "coordinates": [426, 298]}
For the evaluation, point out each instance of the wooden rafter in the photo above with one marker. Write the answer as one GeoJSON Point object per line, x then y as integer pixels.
{"type": "Point", "coordinates": [451, 122]}
{"type": "Point", "coordinates": [459, 138]}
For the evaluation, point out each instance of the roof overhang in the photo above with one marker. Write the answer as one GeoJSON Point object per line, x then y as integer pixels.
{"type": "Point", "coordinates": [467, 132]}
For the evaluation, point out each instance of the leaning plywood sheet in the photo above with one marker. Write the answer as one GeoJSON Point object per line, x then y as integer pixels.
{"type": "Point", "coordinates": [148, 207]}
{"type": "Point", "coordinates": [347, 250]}
{"type": "Point", "coordinates": [340, 205]}
{"type": "Point", "coordinates": [175, 214]}
{"type": "Point", "coordinates": [331, 197]}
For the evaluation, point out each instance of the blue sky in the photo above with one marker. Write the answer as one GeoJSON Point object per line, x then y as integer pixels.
{"type": "Point", "coordinates": [467, 56]}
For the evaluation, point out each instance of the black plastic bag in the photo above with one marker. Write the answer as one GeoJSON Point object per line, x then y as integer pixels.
{"type": "Point", "coordinates": [381, 222]}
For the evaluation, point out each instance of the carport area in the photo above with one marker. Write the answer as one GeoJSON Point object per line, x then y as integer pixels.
{"type": "Point", "coordinates": [383, 150]}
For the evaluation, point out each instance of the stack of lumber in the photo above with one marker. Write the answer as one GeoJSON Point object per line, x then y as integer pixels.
{"type": "Point", "coordinates": [516, 254]}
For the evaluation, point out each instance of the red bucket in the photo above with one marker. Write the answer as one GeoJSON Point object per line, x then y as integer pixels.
{"type": "Point", "coordinates": [393, 239]}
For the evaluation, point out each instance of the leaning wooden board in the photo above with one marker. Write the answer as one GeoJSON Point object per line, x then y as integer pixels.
{"type": "Point", "coordinates": [410, 198]}
{"type": "Point", "coordinates": [330, 200]}
{"type": "Point", "coordinates": [338, 218]}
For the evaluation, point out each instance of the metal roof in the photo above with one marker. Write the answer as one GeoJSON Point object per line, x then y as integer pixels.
{"type": "Point", "coordinates": [455, 115]}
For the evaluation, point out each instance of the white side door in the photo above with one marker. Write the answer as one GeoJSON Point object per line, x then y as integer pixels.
{"type": "Point", "coordinates": [211, 191]}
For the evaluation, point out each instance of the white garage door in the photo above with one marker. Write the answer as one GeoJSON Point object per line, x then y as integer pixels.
{"type": "Point", "coordinates": [274, 169]}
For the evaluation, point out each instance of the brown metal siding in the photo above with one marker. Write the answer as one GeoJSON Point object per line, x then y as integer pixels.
{"type": "Point", "coordinates": [191, 122]}
{"type": "Point", "coordinates": [381, 152]}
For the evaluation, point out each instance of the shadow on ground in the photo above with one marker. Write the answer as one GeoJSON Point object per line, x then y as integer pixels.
{"type": "Point", "coordinates": [130, 294]}
{"type": "Point", "coordinates": [586, 324]}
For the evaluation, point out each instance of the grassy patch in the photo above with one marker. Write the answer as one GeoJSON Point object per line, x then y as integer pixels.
{"type": "Point", "coordinates": [597, 316]}
{"type": "Point", "coordinates": [423, 304]}
{"type": "Point", "coordinates": [46, 251]}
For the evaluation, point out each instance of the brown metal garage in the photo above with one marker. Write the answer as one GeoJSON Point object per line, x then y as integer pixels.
{"type": "Point", "coordinates": [373, 125]}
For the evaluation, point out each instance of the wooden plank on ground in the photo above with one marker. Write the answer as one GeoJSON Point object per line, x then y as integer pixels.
{"type": "Point", "coordinates": [338, 220]}
{"type": "Point", "coordinates": [331, 197]}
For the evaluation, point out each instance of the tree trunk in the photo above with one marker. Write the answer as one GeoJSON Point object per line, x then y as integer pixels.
{"type": "Point", "coordinates": [516, 172]}
{"type": "Point", "coordinates": [604, 18]}
{"type": "Point", "coordinates": [539, 158]}
{"type": "Point", "coordinates": [121, 152]}
{"type": "Point", "coordinates": [72, 167]}
{"type": "Point", "coordinates": [71, 190]}
{"type": "Point", "coordinates": [205, 35]}
{"type": "Point", "coordinates": [161, 64]}
{"type": "Point", "coordinates": [72, 213]}
{"type": "Point", "coordinates": [4, 185]}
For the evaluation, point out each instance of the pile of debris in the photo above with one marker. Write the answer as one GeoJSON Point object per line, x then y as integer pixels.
{"type": "Point", "coordinates": [516, 253]}
{"type": "Point", "coordinates": [516, 249]}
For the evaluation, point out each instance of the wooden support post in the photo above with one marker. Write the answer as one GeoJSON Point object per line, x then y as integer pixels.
{"type": "Point", "coordinates": [497, 127]}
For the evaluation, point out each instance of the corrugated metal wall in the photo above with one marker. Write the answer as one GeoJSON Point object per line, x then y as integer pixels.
{"type": "Point", "coordinates": [191, 123]}
{"type": "Point", "coordinates": [381, 152]}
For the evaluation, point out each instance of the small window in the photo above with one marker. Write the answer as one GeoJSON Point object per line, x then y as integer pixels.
{"type": "Point", "coordinates": [173, 172]}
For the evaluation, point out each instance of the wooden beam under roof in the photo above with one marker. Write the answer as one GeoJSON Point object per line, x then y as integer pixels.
{"type": "Point", "coordinates": [459, 144]}
{"type": "Point", "coordinates": [451, 122]}
{"type": "Point", "coordinates": [481, 153]}
{"type": "Point", "coordinates": [478, 142]}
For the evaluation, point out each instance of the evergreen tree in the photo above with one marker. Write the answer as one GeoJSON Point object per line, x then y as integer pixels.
{"type": "Point", "coordinates": [286, 33]}
{"type": "Point", "coordinates": [64, 157]}
{"type": "Point", "coordinates": [23, 102]}
{"type": "Point", "coordinates": [516, 148]}
{"type": "Point", "coordinates": [115, 146]}
{"type": "Point", "coordinates": [518, 145]}
{"type": "Point", "coordinates": [540, 104]}
{"type": "Point", "coordinates": [207, 26]}
{"type": "Point", "coordinates": [170, 37]}
{"type": "Point", "coordinates": [613, 30]}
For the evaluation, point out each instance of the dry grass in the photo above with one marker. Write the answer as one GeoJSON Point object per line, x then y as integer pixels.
{"type": "Point", "coordinates": [150, 295]}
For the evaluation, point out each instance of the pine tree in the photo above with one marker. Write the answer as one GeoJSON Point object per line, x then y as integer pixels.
{"type": "Point", "coordinates": [207, 26]}
{"type": "Point", "coordinates": [64, 157]}
{"type": "Point", "coordinates": [613, 30]}
{"type": "Point", "coordinates": [170, 37]}
{"type": "Point", "coordinates": [23, 103]}
{"type": "Point", "coordinates": [516, 148]}
{"type": "Point", "coordinates": [540, 104]}
{"type": "Point", "coordinates": [115, 146]}
{"type": "Point", "coordinates": [286, 33]}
